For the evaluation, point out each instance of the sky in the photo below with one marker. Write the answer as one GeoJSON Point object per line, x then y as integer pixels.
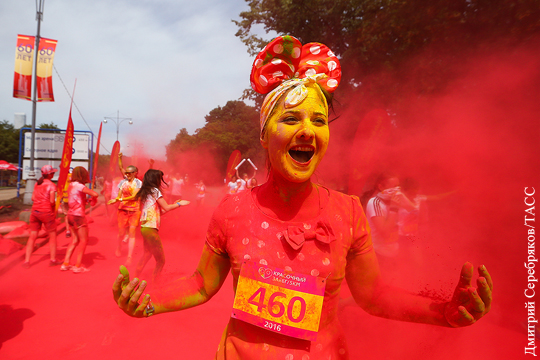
{"type": "Point", "coordinates": [165, 64]}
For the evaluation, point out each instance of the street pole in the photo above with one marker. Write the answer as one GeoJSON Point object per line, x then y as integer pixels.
{"type": "Point", "coordinates": [117, 121]}
{"type": "Point", "coordinates": [31, 181]}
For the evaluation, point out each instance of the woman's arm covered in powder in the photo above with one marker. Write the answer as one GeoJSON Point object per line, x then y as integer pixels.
{"type": "Point", "coordinates": [466, 306]}
{"type": "Point", "coordinates": [181, 294]}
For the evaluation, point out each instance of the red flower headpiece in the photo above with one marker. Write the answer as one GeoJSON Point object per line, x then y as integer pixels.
{"type": "Point", "coordinates": [285, 58]}
{"type": "Point", "coordinates": [285, 65]}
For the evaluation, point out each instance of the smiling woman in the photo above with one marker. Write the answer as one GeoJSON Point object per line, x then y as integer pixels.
{"type": "Point", "coordinates": [297, 138]}
{"type": "Point", "coordinates": [290, 243]}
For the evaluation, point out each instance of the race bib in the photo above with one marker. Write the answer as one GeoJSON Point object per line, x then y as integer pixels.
{"type": "Point", "coordinates": [285, 302]}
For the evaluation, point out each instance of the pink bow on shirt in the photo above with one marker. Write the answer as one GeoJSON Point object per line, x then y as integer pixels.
{"type": "Point", "coordinates": [296, 236]}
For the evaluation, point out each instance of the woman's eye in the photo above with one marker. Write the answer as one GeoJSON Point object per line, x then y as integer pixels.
{"type": "Point", "coordinates": [319, 121]}
{"type": "Point", "coordinates": [290, 120]}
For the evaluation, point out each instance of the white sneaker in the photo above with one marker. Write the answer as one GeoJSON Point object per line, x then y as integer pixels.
{"type": "Point", "coordinates": [78, 270]}
{"type": "Point", "coordinates": [65, 267]}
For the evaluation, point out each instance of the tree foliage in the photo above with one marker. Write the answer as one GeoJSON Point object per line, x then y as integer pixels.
{"type": "Point", "coordinates": [9, 142]}
{"type": "Point", "coordinates": [50, 125]}
{"type": "Point", "coordinates": [371, 36]}
{"type": "Point", "coordinates": [234, 126]}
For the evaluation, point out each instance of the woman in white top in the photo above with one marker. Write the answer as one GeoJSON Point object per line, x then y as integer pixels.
{"type": "Point", "coordinates": [152, 205]}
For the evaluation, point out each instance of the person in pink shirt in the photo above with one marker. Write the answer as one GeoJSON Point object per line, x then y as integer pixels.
{"type": "Point", "coordinates": [43, 199]}
{"type": "Point", "coordinates": [77, 192]}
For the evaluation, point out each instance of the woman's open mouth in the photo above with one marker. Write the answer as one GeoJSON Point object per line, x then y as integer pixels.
{"type": "Point", "coordinates": [302, 154]}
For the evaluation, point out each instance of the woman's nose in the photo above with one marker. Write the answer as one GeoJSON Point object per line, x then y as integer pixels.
{"type": "Point", "coordinates": [306, 132]}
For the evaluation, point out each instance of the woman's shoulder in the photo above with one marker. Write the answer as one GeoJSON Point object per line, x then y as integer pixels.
{"type": "Point", "coordinates": [50, 184]}
{"type": "Point", "coordinates": [231, 201]}
{"type": "Point", "coordinates": [76, 185]}
{"type": "Point", "coordinates": [338, 196]}
{"type": "Point", "coordinates": [339, 202]}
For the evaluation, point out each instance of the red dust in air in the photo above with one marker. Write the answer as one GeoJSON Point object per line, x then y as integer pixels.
{"type": "Point", "coordinates": [479, 141]}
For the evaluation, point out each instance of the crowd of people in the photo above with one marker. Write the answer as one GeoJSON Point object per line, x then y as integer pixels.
{"type": "Point", "coordinates": [238, 184]}
{"type": "Point", "coordinates": [140, 205]}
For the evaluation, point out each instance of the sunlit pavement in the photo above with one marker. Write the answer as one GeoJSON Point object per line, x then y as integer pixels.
{"type": "Point", "coordinates": [49, 314]}
{"type": "Point", "coordinates": [10, 193]}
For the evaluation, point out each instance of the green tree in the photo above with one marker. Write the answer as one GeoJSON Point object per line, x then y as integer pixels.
{"type": "Point", "coordinates": [9, 142]}
{"type": "Point", "coordinates": [234, 126]}
{"type": "Point", "coordinates": [384, 36]}
{"type": "Point", "coordinates": [50, 125]}
{"type": "Point", "coordinates": [181, 143]}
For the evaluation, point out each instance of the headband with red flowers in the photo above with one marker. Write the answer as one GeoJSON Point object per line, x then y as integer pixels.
{"type": "Point", "coordinates": [285, 64]}
{"type": "Point", "coordinates": [285, 58]}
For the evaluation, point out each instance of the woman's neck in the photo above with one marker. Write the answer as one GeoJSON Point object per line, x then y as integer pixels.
{"type": "Point", "coordinates": [288, 201]}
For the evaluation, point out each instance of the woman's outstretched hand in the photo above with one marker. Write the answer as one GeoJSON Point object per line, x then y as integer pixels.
{"type": "Point", "coordinates": [469, 304]}
{"type": "Point", "coordinates": [127, 294]}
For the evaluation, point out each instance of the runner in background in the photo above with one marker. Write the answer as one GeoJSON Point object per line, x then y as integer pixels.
{"type": "Point", "coordinates": [252, 183]}
{"type": "Point", "coordinates": [201, 193]}
{"type": "Point", "coordinates": [152, 206]}
{"type": "Point", "coordinates": [177, 184]}
{"type": "Point", "coordinates": [245, 180]}
{"type": "Point", "coordinates": [232, 186]}
{"type": "Point", "coordinates": [77, 192]}
{"type": "Point", "coordinates": [128, 208]}
{"type": "Point", "coordinates": [43, 205]}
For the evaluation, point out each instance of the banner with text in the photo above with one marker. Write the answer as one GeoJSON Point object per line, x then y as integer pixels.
{"type": "Point", "coordinates": [65, 163]}
{"type": "Point", "coordinates": [24, 54]}
{"type": "Point", "coordinates": [47, 48]}
{"type": "Point", "coordinates": [50, 145]}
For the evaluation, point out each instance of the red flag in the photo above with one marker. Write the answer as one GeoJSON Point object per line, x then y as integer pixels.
{"type": "Point", "coordinates": [66, 156]}
{"type": "Point", "coordinates": [97, 154]}
{"type": "Point", "coordinates": [47, 48]}
{"type": "Point", "coordinates": [234, 160]}
{"type": "Point", "coordinates": [24, 54]}
{"type": "Point", "coordinates": [113, 164]}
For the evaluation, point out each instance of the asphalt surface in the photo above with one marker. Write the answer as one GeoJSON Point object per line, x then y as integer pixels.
{"type": "Point", "coordinates": [10, 193]}
{"type": "Point", "coordinates": [49, 314]}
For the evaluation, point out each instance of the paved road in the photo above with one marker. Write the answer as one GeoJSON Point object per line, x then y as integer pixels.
{"type": "Point", "coordinates": [49, 314]}
{"type": "Point", "coordinates": [10, 193]}
{"type": "Point", "coordinates": [66, 315]}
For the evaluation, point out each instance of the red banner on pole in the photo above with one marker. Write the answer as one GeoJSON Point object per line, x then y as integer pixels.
{"type": "Point", "coordinates": [24, 55]}
{"type": "Point", "coordinates": [47, 48]}
{"type": "Point", "coordinates": [234, 160]}
{"type": "Point", "coordinates": [66, 156]}
{"type": "Point", "coordinates": [113, 164]}
{"type": "Point", "coordinates": [97, 155]}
